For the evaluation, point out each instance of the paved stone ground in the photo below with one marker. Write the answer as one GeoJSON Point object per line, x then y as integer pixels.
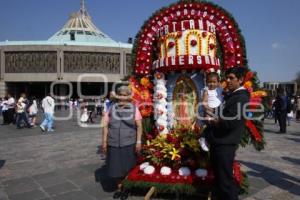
{"type": "Point", "coordinates": [66, 164]}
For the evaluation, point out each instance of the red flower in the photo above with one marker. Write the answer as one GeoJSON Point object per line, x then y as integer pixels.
{"type": "Point", "coordinates": [193, 43]}
{"type": "Point", "coordinates": [171, 45]}
{"type": "Point", "coordinates": [254, 132]}
{"type": "Point", "coordinates": [158, 154]}
{"type": "Point", "coordinates": [161, 128]}
{"type": "Point", "coordinates": [158, 75]}
{"type": "Point", "coordinates": [237, 172]}
{"type": "Point", "coordinates": [171, 139]}
{"type": "Point", "coordinates": [149, 136]}
{"type": "Point", "coordinates": [248, 76]}
{"type": "Point", "coordinates": [204, 34]}
{"type": "Point", "coordinates": [212, 46]}
{"type": "Point", "coordinates": [179, 34]}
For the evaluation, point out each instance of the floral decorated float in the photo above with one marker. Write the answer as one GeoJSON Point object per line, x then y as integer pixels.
{"type": "Point", "coordinates": [173, 51]}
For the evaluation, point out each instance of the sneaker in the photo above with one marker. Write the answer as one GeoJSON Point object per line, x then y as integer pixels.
{"type": "Point", "coordinates": [203, 144]}
{"type": "Point", "coordinates": [50, 130]}
{"type": "Point", "coordinates": [42, 128]}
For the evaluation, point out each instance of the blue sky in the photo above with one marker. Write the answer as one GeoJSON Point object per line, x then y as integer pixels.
{"type": "Point", "coordinates": [271, 27]}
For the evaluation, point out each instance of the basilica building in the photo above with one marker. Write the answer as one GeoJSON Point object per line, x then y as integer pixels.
{"type": "Point", "coordinates": [77, 59]}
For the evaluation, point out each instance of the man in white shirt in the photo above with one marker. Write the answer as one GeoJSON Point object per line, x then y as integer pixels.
{"type": "Point", "coordinates": [48, 106]}
{"type": "Point", "coordinates": [10, 109]}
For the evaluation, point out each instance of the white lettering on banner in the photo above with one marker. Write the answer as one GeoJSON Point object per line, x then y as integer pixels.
{"type": "Point", "coordinates": [181, 60]}
{"type": "Point", "coordinates": [174, 25]}
{"type": "Point", "coordinates": [166, 29]}
{"type": "Point", "coordinates": [192, 24]}
{"type": "Point", "coordinates": [182, 26]}
{"type": "Point", "coordinates": [200, 24]}
{"type": "Point", "coordinates": [173, 60]}
{"type": "Point", "coordinates": [159, 23]}
{"type": "Point", "coordinates": [185, 60]}
{"type": "Point", "coordinates": [185, 12]}
{"type": "Point", "coordinates": [192, 12]}
{"type": "Point", "coordinates": [191, 60]}
{"type": "Point", "coordinates": [207, 60]}
{"type": "Point", "coordinates": [229, 39]}
{"type": "Point", "coordinates": [208, 25]}
{"type": "Point", "coordinates": [199, 60]}
{"type": "Point", "coordinates": [153, 28]}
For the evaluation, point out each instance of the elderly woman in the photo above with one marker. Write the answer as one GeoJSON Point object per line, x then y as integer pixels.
{"type": "Point", "coordinates": [122, 132]}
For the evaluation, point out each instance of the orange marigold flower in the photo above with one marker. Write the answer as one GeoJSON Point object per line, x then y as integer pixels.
{"type": "Point", "coordinates": [146, 82]}
{"type": "Point", "coordinates": [248, 84]}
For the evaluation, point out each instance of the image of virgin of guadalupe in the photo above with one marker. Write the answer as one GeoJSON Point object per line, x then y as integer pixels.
{"type": "Point", "coordinates": [185, 102]}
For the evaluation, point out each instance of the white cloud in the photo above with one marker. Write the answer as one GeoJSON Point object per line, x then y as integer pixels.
{"type": "Point", "coordinates": [275, 45]}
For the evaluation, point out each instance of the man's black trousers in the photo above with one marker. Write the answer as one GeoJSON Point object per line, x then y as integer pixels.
{"type": "Point", "coordinates": [222, 157]}
{"type": "Point", "coordinates": [282, 121]}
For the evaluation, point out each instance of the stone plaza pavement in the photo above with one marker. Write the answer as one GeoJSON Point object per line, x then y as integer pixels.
{"type": "Point", "coordinates": [67, 164]}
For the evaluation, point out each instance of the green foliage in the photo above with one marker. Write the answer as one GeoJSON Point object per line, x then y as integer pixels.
{"type": "Point", "coordinates": [161, 187]}
{"type": "Point", "coordinates": [244, 187]}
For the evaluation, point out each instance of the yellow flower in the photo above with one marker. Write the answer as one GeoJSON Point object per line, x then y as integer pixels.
{"type": "Point", "coordinates": [259, 93]}
{"type": "Point", "coordinates": [248, 84]}
{"type": "Point", "coordinates": [174, 154]}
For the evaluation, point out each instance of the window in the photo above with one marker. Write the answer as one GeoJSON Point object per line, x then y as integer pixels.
{"type": "Point", "coordinates": [72, 36]}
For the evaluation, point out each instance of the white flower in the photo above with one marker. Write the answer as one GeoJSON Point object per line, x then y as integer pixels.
{"type": "Point", "coordinates": [184, 171]}
{"type": "Point", "coordinates": [161, 108]}
{"type": "Point", "coordinates": [149, 170]}
{"type": "Point", "coordinates": [160, 86]}
{"type": "Point", "coordinates": [161, 122]}
{"type": "Point", "coordinates": [144, 165]}
{"type": "Point", "coordinates": [201, 172]}
{"type": "Point", "coordinates": [165, 171]}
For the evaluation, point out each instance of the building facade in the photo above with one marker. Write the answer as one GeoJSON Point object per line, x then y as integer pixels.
{"type": "Point", "coordinates": [290, 88]}
{"type": "Point", "coordinates": [78, 55]}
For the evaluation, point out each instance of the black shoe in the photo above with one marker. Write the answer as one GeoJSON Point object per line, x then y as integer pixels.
{"type": "Point", "coordinates": [117, 195]}
{"type": "Point", "coordinates": [124, 195]}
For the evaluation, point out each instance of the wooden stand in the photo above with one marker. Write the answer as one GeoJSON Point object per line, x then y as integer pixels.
{"type": "Point", "coordinates": [150, 193]}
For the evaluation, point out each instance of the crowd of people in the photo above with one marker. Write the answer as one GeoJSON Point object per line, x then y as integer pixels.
{"type": "Point", "coordinates": [24, 112]}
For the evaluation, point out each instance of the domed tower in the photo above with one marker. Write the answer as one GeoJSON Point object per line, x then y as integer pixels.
{"type": "Point", "coordinates": [80, 28]}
